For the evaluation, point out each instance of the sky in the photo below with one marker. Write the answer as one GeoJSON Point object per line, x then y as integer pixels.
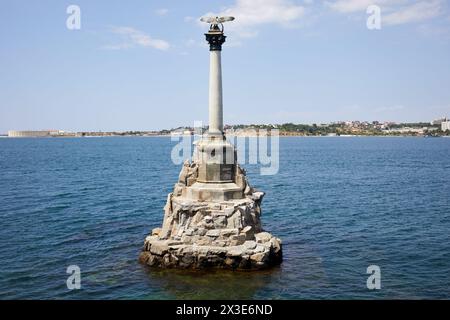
{"type": "Point", "coordinates": [143, 65]}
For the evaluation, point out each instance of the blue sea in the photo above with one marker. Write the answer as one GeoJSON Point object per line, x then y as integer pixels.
{"type": "Point", "coordinates": [339, 204]}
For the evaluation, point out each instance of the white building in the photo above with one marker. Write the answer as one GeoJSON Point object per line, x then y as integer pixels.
{"type": "Point", "coordinates": [30, 133]}
{"type": "Point", "coordinates": [445, 125]}
{"type": "Point", "coordinates": [438, 121]}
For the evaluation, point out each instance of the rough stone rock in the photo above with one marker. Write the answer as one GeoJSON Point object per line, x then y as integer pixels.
{"type": "Point", "coordinates": [260, 256]}
{"type": "Point", "coordinates": [257, 196]}
{"type": "Point", "coordinates": [184, 173]}
{"type": "Point", "coordinates": [263, 237]}
{"type": "Point", "coordinates": [236, 240]}
{"type": "Point", "coordinates": [240, 181]}
{"type": "Point", "coordinates": [190, 181]}
{"type": "Point", "coordinates": [276, 244]}
{"type": "Point", "coordinates": [220, 221]}
{"type": "Point", "coordinates": [236, 251]}
{"type": "Point", "coordinates": [178, 190]}
{"type": "Point", "coordinates": [248, 232]}
{"type": "Point", "coordinates": [159, 248]}
{"type": "Point", "coordinates": [229, 211]}
{"type": "Point", "coordinates": [260, 248]}
{"type": "Point", "coordinates": [151, 238]}
{"type": "Point", "coordinates": [174, 242]}
{"type": "Point", "coordinates": [227, 233]}
{"type": "Point", "coordinates": [167, 228]}
{"type": "Point", "coordinates": [249, 245]}
{"type": "Point", "coordinates": [220, 243]}
{"type": "Point", "coordinates": [206, 233]}
{"type": "Point", "coordinates": [186, 239]}
{"type": "Point", "coordinates": [213, 233]}
{"type": "Point", "coordinates": [204, 241]}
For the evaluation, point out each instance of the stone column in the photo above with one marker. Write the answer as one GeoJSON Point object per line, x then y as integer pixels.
{"type": "Point", "coordinates": [215, 94]}
{"type": "Point", "coordinates": [215, 39]}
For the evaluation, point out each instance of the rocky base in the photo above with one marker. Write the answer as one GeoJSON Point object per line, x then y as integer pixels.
{"type": "Point", "coordinates": [261, 253]}
{"type": "Point", "coordinates": [208, 226]}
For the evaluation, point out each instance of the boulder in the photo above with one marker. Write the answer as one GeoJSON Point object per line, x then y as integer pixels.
{"type": "Point", "coordinates": [263, 237]}
{"type": "Point", "coordinates": [249, 245]}
{"type": "Point", "coordinates": [214, 233]}
{"type": "Point", "coordinates": [248, 232]}
{"type": "Point", "coordinates": [227, 233]}
{"type": "Point", "coordinates": [229, 211]}
{"type": "Point", "coordinates": [257, 196]}
{"type": "Point", "coordinates": [159, 248]}
{"type": "Point", "coordinates": [238, 239]}
{"type": "Point", "coordinates": [259, 257]}
{"type": "Point", "coordinates": [236, 251]}
{"type": "Point", "coordinates": [276, 244]}
{"type": "Point", "coordinates": [156, 232]}
{"type": "Point", "coordinates": [220, 222]}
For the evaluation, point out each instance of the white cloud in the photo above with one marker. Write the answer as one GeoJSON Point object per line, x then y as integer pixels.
{"type": "Point", "coordinates": [393, 12]}
{"type": "Point", "coordinates": [162, 12]}
{"type": "Point", "coordinates": [350, 6]}
{"type": "Point", "coordinates": [120, 46]}
{"type": "Point", "coordinates": [252, 13]}
{"type": "Point", "coordinates": [132, 37]}
{"type": "Point", "coordinates": [347, 6]}
{"type": "Point", "coordinates": [416, 12]}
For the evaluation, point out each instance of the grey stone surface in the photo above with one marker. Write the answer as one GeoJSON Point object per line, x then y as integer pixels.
{"type": "Point", "coordinates": [198, 233]}
{"type": "Point", "coordinates": [194, 256]}
{"type": "Point", "coordinates": [263, 237]}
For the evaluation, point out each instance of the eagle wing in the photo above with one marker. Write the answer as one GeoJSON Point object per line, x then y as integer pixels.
{"type": "Point", "coordinates": [225, 19]}
{"type": "Point", "coordinates": [216, 19]}
{"type": "Point", "coordinates": [208, 19]}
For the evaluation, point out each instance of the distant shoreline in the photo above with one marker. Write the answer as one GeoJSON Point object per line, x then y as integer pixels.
{"type": "Point", "coordinates": [436, 128]}
{"type": "Point", "coordinates": [239, 136]}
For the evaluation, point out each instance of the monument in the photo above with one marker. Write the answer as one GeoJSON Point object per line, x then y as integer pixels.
{"type": "Point", "coordinates": [213, 216]}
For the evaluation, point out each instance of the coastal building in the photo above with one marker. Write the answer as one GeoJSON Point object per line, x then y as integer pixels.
{"type": "Point", "coordinates": [406, 130]}
{"type": "Point", "coordinates": [445, 125]}
{"type": "Point", "coordinates": [30, 133]}
{"type": "Point", "coordinates": [438, 121]}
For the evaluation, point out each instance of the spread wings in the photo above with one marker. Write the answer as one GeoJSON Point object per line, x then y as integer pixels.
{"type": "Point", "coordinates": [216, 20]}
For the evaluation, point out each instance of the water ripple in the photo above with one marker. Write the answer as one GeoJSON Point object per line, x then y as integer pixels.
{"type": "Point", "coordinates": [339, 205]}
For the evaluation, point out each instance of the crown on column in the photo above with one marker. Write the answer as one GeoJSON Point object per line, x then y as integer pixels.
{"type": "Point", "coordinates": [215, 40]}
{"type": "Point", "coordinates": [215, 35]}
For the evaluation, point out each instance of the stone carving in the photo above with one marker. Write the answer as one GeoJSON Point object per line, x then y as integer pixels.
{"type": "Point", "coordinates": [198, 234]}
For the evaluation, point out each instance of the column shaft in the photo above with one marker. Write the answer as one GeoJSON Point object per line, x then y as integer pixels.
{"type": "Point", "coordinates": [215, 93]}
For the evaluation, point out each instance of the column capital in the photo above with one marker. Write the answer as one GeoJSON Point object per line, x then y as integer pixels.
{"type": "Point", "coordinates": [215, 40]}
